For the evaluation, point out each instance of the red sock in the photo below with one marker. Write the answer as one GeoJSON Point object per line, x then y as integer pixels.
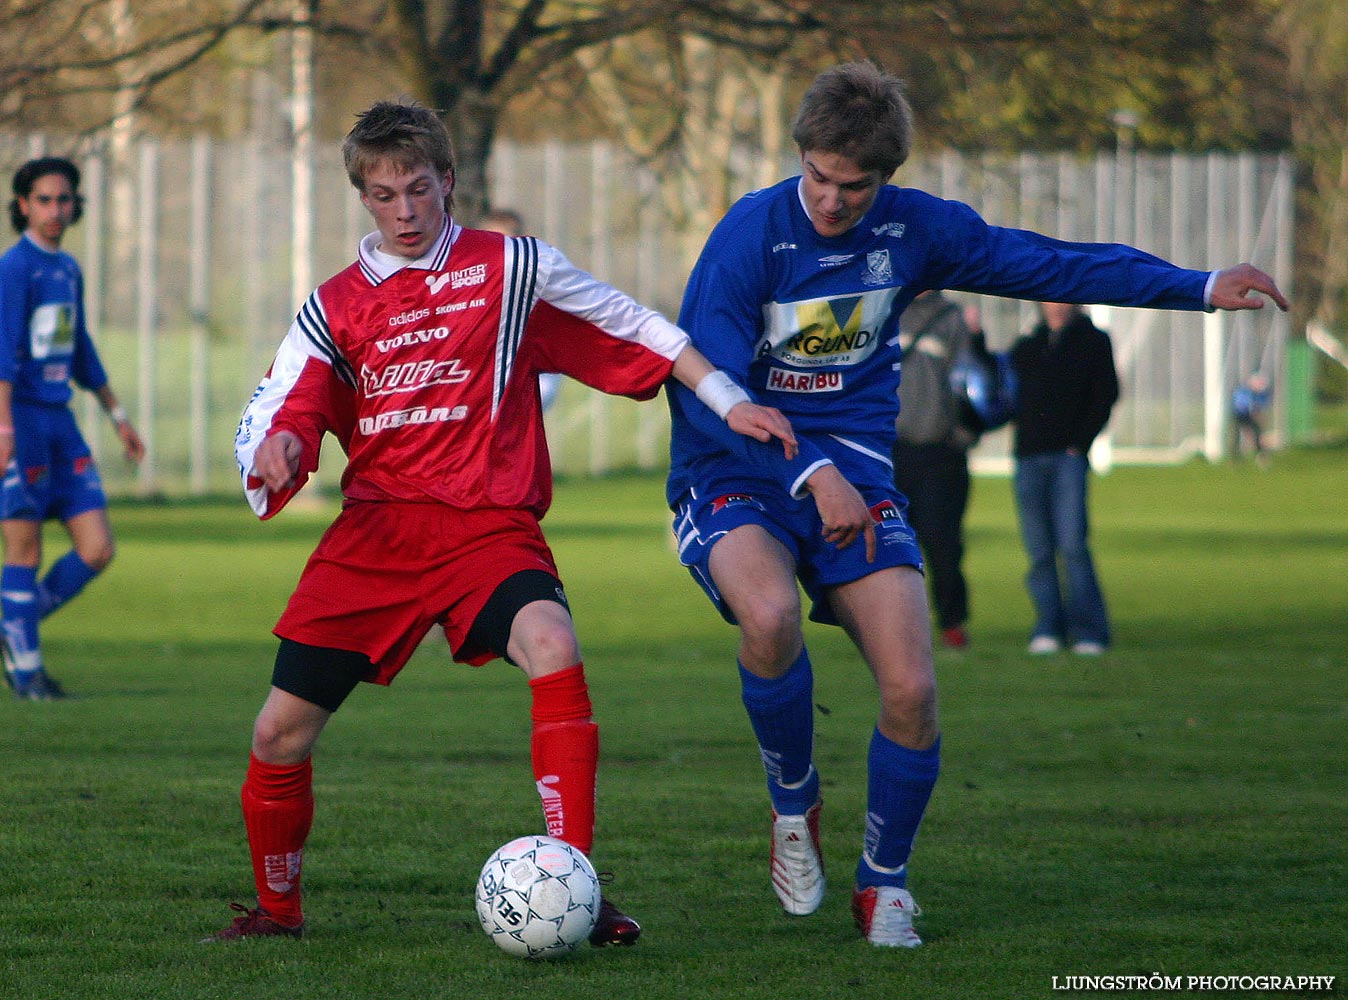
{"type": "Point", "coordinates": [278, 809]}
{"type": "Point", "coordinates": [565, 748]}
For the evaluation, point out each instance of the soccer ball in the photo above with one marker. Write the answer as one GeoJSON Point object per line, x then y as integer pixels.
{"type": "Point", "coordinates": [538, 897]}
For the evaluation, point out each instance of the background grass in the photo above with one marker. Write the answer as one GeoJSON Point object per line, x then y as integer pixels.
{"type": "Point", "coordinates": [1177, 806]}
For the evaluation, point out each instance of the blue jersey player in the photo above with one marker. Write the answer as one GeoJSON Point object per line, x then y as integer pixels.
{"type": "Point", "coordinates": [797, 295]}
{"type": "Point", "coordinates": [49, 472]}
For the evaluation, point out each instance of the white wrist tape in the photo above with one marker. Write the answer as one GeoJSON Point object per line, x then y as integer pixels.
{"type": "Point", "coordinates": [720, 393]}
{"type": "Point", "coordinates": [118, 415]}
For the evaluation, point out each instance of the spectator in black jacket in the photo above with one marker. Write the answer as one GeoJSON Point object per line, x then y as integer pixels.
{"type": "Point", "coordinates": [1068, 386]}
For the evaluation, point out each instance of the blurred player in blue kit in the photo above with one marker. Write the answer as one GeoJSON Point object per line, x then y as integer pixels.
{"type": "Point", "coordinates": [798, 295]}
{"type": "Point", "coordinates": [1249, 400]}
{"type": "Point", "coordinates": [49, 470]}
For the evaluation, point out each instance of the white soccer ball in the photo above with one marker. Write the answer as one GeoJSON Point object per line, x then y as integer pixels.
{"type": "Point", "coordinates": [538, 897]}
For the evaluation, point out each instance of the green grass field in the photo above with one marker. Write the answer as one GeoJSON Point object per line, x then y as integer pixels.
{"type": "Point", "coordinates": [1177, 807]}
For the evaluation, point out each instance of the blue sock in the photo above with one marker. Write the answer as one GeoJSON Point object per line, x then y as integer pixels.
{"type": "Point", "coordinates": [18, 607]}
{"type": "Point", "coordinates": [66, 578]}
{"type": "Point", "coordinates": [781, 712]}
{"type": "Point", "coordinates": [899, 787]}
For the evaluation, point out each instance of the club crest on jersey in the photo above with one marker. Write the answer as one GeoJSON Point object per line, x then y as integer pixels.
{"type": "Point", "coordinates": [782, 380]}
{"type": "Point", "coordinates": [879, 268]}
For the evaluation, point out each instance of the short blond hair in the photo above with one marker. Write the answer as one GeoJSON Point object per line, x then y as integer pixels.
{"type": "Point", "coordinates": [406, 135]}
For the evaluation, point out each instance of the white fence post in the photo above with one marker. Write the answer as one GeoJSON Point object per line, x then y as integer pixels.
{"type": "Point", "coordinates": [91, 264]}
{"type": "Point", "coordinates": [199, 308]}
{"type": "Point", "coordinates": [1214, 388]}
{"type": "Point", "coordinates": [147, 308]}
{"type": "Point", "coordinates": [204, 310]}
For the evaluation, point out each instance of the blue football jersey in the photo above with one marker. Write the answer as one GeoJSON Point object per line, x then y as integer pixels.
{"type": "Point", "coordinates": [810, 324]}
{"type": "Point", "coordinates": [44, 343]}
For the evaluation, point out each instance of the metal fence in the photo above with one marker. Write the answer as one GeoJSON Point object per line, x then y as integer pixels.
{"type": "Point", "coordinates": [189, 259]}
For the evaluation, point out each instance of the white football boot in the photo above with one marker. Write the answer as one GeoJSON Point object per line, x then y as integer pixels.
{"type": "Point", "coordinates": [797, 865]}
{"type": "Point", "coordinates": [884, 915]}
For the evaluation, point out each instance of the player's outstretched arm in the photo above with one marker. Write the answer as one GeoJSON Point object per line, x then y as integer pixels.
{"type": "Point", "coordinates": [1239, 287]}
{"type": "Point", "coordinates": [731, 403]}
{"type": "Point", "coordinates": [277, 460]}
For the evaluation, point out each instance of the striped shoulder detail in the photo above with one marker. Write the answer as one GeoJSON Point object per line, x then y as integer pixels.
{"type": "Point", "coordinates": [518, 292]}
{"type": "Point", "coordinates": [313, 322]}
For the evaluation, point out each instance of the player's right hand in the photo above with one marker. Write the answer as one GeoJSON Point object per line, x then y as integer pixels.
{"type": "Point", "coordinates": [842, 509]}
{"type": "Point", "coordinates": [763, 423]}
{"type": "Point", "coordinates": [1240, 287]}
{"type": "Point", "coordinates": [277, 460]}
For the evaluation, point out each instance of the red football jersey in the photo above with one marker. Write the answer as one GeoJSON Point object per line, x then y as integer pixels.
{"type": "Point", "coordinates": [427, 371]}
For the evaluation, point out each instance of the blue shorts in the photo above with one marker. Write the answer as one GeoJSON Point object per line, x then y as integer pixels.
{"type": "Point", "coordinates": [700, 522]}
{"type": "Point", "coordinates": [52, 473]}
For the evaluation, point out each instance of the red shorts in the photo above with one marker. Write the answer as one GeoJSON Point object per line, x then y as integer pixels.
{"type": "Point", "coordinates": [385, 572]}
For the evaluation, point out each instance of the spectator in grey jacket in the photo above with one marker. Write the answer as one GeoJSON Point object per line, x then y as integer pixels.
{"type": "Point", "coordinates": [931, 456]}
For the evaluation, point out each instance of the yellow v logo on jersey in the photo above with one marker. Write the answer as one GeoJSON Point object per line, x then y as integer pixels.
{"type": "Point", "coordinates": [812, 333]}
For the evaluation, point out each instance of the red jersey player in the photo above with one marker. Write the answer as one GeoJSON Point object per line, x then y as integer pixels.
{"type": "Point", "coordinates": [422, 358]}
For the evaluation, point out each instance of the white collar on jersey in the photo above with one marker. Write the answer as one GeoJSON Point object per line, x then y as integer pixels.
{"type": "Point", "coordinates": [379, 266]}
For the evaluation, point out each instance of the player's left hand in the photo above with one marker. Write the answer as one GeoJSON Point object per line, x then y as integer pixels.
{"type": "Point", "coordinates": [132, 445]}
{"type": "Point", "coordinates": [763, 423]}
{"type": "Point", "coordinates": [842, 510]}
{"type": "Point", "coordinates": [277, 460]}
{"type": "Point", "coordinates": [1235, 288]}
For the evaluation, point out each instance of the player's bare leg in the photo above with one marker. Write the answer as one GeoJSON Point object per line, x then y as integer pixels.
{"type": "Point", "coordinates": [278, 811]}
{"type": "Point", "coordinates": [886, 615]}
{"type": "Point", "coordinates": [565, 741]}
{"type": "Point", "coordinates": [756, 576]}
{"type": "Point", "coordinates": [20, 642]}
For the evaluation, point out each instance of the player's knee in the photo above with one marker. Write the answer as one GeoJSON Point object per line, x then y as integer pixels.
{"type": "Point", "coordinates": [278, 742]}
{"type": "Point", "coordinates": [546, 646]}
{"type": "Point", "coordinates": [98, 555]}
{"type": "Point", "coordinates": [269, 740]}
{"type": "Point", "coordinates": [770, 619]}
{"type": "Point", "coordinates": [910, 698]}
{"type": "Point", "coordinates": [95, 550]}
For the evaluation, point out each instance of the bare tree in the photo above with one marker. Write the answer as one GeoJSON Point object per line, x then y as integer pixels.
{"type": "Point", "coordinates": [1315, 38]}
{"type": "Point", "coordinates": [56, 55]}
{"type": "Point", "coordinates": [470, 58]}
{"type": "Point", "coordinates": [1008, 72]}
{"type": "Point", "coordinates": [713, 104]}
{"type": "Point", "coordinates": [683, 82]}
